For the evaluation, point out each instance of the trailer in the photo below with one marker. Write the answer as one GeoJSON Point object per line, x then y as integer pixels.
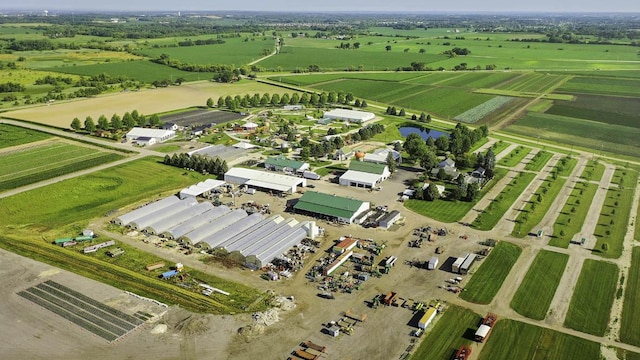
{"type": "Point", "coordinates": [433, 263]}
{"type": "Point", "coordinates": [463, 353]}
{"type": "Point", "coordinates": [427, 318]}
{"type": "Point", "coordinates": [305, 355]}
{"type": "Point", "coordinates": [457, 264]}
{"type": "Point", "coordinates": [155, 266]}
{"type": "Point", "coordinates": [310, 175]}
{"type": "Point", "coordinates": [94, 248]}
{"type": "Point", "coordinates": [390, 298]}
{"type": "Point", "coordinates": [68, 243]}
{"type": "Point", "coordinates": [62, 241]}
{"type": "Point", "coordinates": [314, 346]}
{"type": "Point", "coordinates": [83, 238]}
{"type": "Point", "coordinates": [168, 274]}
{"type": "Point", "coordinates": [484, 330]}
{"type": "Point", "coordinates": [354, 316]}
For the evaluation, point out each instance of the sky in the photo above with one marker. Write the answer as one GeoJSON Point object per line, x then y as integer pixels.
{"type": "Point", "coordinates": [632, 6]}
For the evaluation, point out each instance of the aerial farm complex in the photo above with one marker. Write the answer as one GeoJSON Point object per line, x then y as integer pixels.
{"type": "Point", "coordinates": [230, 185]}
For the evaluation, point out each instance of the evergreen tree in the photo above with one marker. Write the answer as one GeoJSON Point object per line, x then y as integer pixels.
{"type": "Point", "coordinates": [391, 162]}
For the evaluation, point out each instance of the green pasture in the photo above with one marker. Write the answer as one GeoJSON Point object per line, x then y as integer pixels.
{"type": "Point", "coordinates": [488, 278]}
{"type": "Point", "coordinates": [534, 296]}
{"type": "Point", "coordinates": [38, 60]}
{"type": "Point", "coordinates": [591, 84]}
{"type": "Point", "coordinates": [636, 233]}
{"type": "Point", "coordinates": [512, 339]}
{"type": "Point", "coordinates": [629, 330]}
{"type": "Point", "coordinates": [451, 211]}
{"type": "Point", "coordinates": [613, 74]}
{"type": "Point", "coordinates": [167, 148]}
{"type": "Point", "coordinates": [515, 156]}
{"type": "Point", "coordinates": [14, 135]}
{"type": "Point", "coordinates": [592, 298]}
{"type": "Point", "coordinates": [621, 111]}
{"type": "Point", "coordinates": [448, 334]}
{"type": "Point", "coordinates": [590, 135]}
{"type": "Point", "coordinates": [538, 205]}
{"type": "Point", "coordinates": [496, 209]}
{"type": "Point", "coordinates": [593, 171]}
{"type": "Point", "coordinates": [571, 218]}
{"type": "Point", "coordinates": [538, 161]}
{"type": "Point", "coordinates": [614, 215]}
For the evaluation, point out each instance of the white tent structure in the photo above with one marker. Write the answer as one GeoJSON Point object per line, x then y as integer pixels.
{"type": "Point", "coordinates": [220, 223]}
{"type": "Point", "coordinates": [127, 218]}
{"type": "Point", "coordinates": [166, 212]}
{"type": "Point", "coordinates": [350, 115]}
{"type": "Point", "coordinates": [165, 224]}
{"type": "Point", "coordinates": [230, 231]}
{"type": "Point", "coordinates": [264, 180]}
{"type": "Point", "coordinates": [196, 222]}
{"type": "Point", "coordinates": [201, 188]}
{"type": "Point", "coordinates": [264, 227]}
{"type": "Point", "coordinates": [159, 135]}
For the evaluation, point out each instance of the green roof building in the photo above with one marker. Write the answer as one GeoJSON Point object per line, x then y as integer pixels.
{"type": "Point", "coordinates": [281, 163]}
{"type": "Point", "coordinates": [364, 174]}
{"type": "Point", "coordinates": [368, 167]}
{"type": "Point", "coordinates": [332, 207]}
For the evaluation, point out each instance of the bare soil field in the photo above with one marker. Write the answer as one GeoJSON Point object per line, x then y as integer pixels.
{"type": "Point", "coordinates": [147, 102]}
{"type": "Point", "coordinates": [201, 117]}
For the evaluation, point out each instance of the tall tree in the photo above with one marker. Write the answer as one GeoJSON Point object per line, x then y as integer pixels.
{"type": "Point", "coordinates": [391, 162]}
{"type": "Point", "coordinates": [103, 123]}
{"type": "Point", "coordinates": [116, 122]}
{"type": "Point", "coordinates": [76, 125]}
{"type": "Point", "coordinates": [89, 125]}
{"type": "Point", "coordinates": [210, 102]}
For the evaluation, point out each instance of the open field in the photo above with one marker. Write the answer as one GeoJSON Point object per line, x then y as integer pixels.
{"type": "Point", "coordinates": [571, 218]}
{"type": "Point", "coordinates": [629, 330]}
{"type": "Point", "coordinates": [446, 336]}
{"type": "Point", "coordinates": [14, 135]}
{"type": "Point", "coordinates": [512, 339]}
{"type": "Point", "coordinates": [614, 215]}
{"type": "Point", "coordinates": [602, 85]}
{"type": "Point", "coordinates": [310, 78]}
{"type": "Point", "coordinates": [539, 285]}
{"type": "Point", "coordinates": [451, 211]}
{"type": "Point", "coordinates": [592, 298]}
{"type": "Point", "coordinates": [533, 83]}
{"type": "Point", "coordinates": [28, 165]}
{"type": "Point", "coordinates": [538, 161]}
{"type": "Point", "coordinates": [490, 216]}
{"type": "Point", "coordinates": [593, 171]}
{"type": "Point", "coordinates": [146, 102]}
{"type": "Point", "coordinates": [605, 109]}
{"type": "Point", "coordinates": [538, 205]}
{"type": "Point", "coordinates": [515, 156]}
{"type": "Point", "coordinates": [200, 117]}
{"type": "Point", "coordinates": [487, 280]}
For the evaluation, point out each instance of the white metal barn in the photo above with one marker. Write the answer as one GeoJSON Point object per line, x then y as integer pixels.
{"type": "Point", "coordinates": [159, 135]}
{"type": "Point", "coordinates": [264, 227]}
{"type": "Point", "coordinates": [201, 188]}
{"type": "Point", "coordinates": [196, 222]}
{"type": "Point", "coordinates": [127, 218]}
{"type": "Point", "coordinates": [143, 222]}
{"type": "Point", "coordinates": [264, 180]}
{"type": "Point", "coordinates": [354, 116]}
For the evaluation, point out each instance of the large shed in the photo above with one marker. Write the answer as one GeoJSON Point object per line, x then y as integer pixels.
{"type": "Point", "coordinates": [147, 209]}
{"type": "Point", "coordinates": [166, 212]}
{"type": "Point", "coordinates": [162, 225]}
{"type": "Point", "coordinates": [230, 231]}
{"type": "Point", "coordinates": [158, 135]}
{"type": "Point", "coordinates": [196, 222]}
{"type": "Point", "coordinates": [331, 206]}
{"type": "Point", "coordinates": [201, 189]}
{"type": "Point", "coordinates": [263, 180]}
{"type": "Point", "coordinates": [281, 163]}
{"type": "Point", "coordinates": [364, 174]}
{"type": "Point", "coordinates": [389, 219]}
{"type": "Point", "coordinates": [211, 228]}
{"type": "Point", "coordinates": [354, 116]}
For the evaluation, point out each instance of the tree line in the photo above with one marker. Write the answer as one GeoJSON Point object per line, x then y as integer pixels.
{"type": "Point", "coordinates": [201, 164]}
{"type": "Point", "coordinates": [305, 99]}
{"type": "Point", "coordinates": [117, 123]}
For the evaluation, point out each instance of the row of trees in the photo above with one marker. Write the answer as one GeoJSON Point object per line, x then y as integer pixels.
{"type": "Point", "coordinates": [266, 99]}
{"type": "Point", "coordinates": [201, 164]}
{"type": "Point", "coordinates": [11, 87]}
{"type": "Point", "coordinates": [117, 123]}
{"type": "Point", "coordinates": [318, 150]}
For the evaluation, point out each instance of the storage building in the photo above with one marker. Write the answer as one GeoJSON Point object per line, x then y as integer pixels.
{"type": "Point", "coordinates": [166, 212]}
{"type": "Point", "coordinates": [125, 219]}
{"type": "Point", "coordinates": [196, 222]}
{"type": "Point", "coordinates": [263, 180]}
{"type": "Point", "coordinates": [389, 219]}
{"type": "Point", "coordinates": [203, 188]}
{"type": "Point", "coordinates": [281, 163]}
{"type": "Point", "coordinates": [458, 263]}
{"type": "Point", "coordinates": [177, 218]}
{"type": "Point", "coordinates": [211, 228]}
{"type": "Point", "coordinates": [337, 262]}
{"type": "Point", "coordinates": [158, 135]}
{"type": "Point", "coordinates": [379, 156]}
{"type": "Point", "coordinates": [345, 245]}
{"type": "Point", "coordinates": [353, 116]}
{"type": "Point", "coordinates": [427, 318]}
{"type": "Point", "coordinates": [332, 207]}
{"type": "Point", "coordinates": [468, 261]}
{"type": "Point", "coordinates": [230, 231]}
{"type": "Point", "coordinates": [364, 174]}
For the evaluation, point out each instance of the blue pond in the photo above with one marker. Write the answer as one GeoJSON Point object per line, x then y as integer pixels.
{"type": "Point", "coordinates": [424, 133]}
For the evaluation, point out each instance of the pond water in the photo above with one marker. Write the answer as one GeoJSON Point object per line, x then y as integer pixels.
{"type": "Point", "coordinates": [424, 133]}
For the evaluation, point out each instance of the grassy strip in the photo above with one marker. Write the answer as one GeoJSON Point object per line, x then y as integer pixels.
{"type": "Point", "coordinates": [565, 166]}
{"type": "Point", "coordinates": [330, 169]}
{"type": "Point", "coordinates": [488, 279]}
{"type": "Point", "coordinates": [512, 339]}
{"type": "Point", "coordinates": [539, 285]}
{"type": "Point", "coordinates": [520, 139]}
{"type": "Point", "coordinates": [514, 157]}
{"type": "Point", "coordinates": [593, 171]}
{"type": "Point", "coordinates": [448, 334]}
{"type": "Point", "coordinates": [490, 216]}
{"type": "Point", "coordinates": [478, 145]}
{"type": "Point", "coordinates": [524, 94]}
{"type": "Point", "coordinates": [539, 160]}
{"type": "Point", "coordinates": [592, 298]}
{"type": "Point", "coordinates": [573, 214]}
{"type": "Point", "coordinates": [629, 329]}
{"type": "Point", "coordinates": [15, 135]}
{"type": "Point", "coordinates": [538, 205]}
{"type": "Point", "coordinates": [499, 147]}
{"type": "Point", "coordinates": [614, 215]}
{"type": "Point", "coordinates": [451, 211]}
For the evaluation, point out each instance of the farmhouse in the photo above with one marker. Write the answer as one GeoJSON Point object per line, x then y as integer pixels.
{"type": "Point", "coordinates": [364, 174]}
{"type": "Point", "coordinates": [449, 168]}
{"type": "Point", "coordinates": [344, 153]}
{"type": "Point", "coordinates": [350, 115]}
{"type": "Point", "coordinates": [144, 134]}
{"type": "Point", "coordinates": [281, 163]}
{"type": "Point", "coordinates": [263, 180]}
{"type": "Point", "coordinates": [331, 207]}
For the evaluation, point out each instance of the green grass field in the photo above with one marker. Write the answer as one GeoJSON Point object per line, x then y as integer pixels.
{"type": "Point", "coordinates": [29, 165]}
{"type": "Point", "coordinates": [629, 330]}
{"type": "Point", "coordinates": [606, 109]}
{"type": "Point", "coordinates": [602, 85]}
{"type": "Point", "coordinates": [500, 146]}
{"type": "Point", "coordinates": [490, 216]}
{"type": "Point", "coordinates": [592, 298]}
{"type": "Point", "coordinates": [565, 166]}
{"type": "Point", "coordinates": [614, 215]}
{"type": "Point", "coordinates": [515, 156]}
{"type": "Point", "coordinates": [451, 211]}
{"type": "Point", "coordinates": [538, 161]}
{"type": "Point", "coordinates": [539, 285]}
{"type": "Point", "coordinates": [447, 335]}
{"type": "Point", "coordinates": [571, 218]}
{"type": "Point", "coordinates": [488, 278]}
{"type": "Point", "coordinates": [538, 205]}
{"type": "Point", "coordinates": [512, 339]}
{"type": "Point", "coordinates": [593, 171]}
{"type": "Point", "coordinates": [14, 135]}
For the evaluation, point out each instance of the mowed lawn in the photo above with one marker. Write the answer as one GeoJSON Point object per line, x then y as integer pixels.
{"type": "Point", "coordinates": [44, 161]}
{"type": "Point", "coordinates": [592, 298]}
{"type": "Point", "coordinates": [571, 218]}
{"type": "Point", "coordinates": [629, 330]}
{"type": "Point", "coordinates": [539, 285]}
{"type": "Point", "coordinates": [512, 339]}
{"type": "Point", "coordinates": [447, 335]}
{"type": "Point", "coordinates": [515, 156]}
{"type": "Point", "coordinates": [488, 279]}
{"type": "Point", "coordinates": [15, 135]}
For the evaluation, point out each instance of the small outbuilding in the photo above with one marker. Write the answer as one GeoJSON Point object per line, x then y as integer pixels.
{"type": "Point", "coordinates": [389, 219]}
{"type": "Point", "coordinates": [281, 163]}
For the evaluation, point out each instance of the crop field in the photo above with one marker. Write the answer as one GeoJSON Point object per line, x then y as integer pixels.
{"type": "Point", "coordinates": [451, 211]}
{"type": "Point", "coordinates": [512, 339]}
{"type": "Point", "coordinates": [487, 280]}
{"type": "Point", "coordinates": [538, 287]}
{"type": "Point", "coordinates": [447, 334]}
{"type": "Point", "coordinates": [14, 135]}
{"type": "Point", "coordinates": [606, 109]}
{"type": "Point", "coordinates": [592, 298]}
{"type": "Point", "coordinates": [310, 79]}
{"type": "Point", "coordinates": [40, 60]}
{"type": "Point", "coordinates": [479, 112]}
{"type": "Point", "coordinates": [538, 161]}
{"type": "Point", "coordinates": [571, 218]}
{"type": "Point", "coordinates": [614, 215]}
{"type": "Point", "coordinates": [81, 310]}
{"type": "Point", "coordinates": [629, 330]}
{"type": "Point", "coordinates": [591, 135]}
{"type": "Point", "coordinates": [538, 205]}
{"type": "Point", "coordinates": [533, 83]}
{"type": "Point", "coordinates": [30, 164]}
{"type": "Point", "coordinates": [515, 156]}
{"type": "Point", "coordinates": [593, 171]}
{"type": "Point", "coordinates": [490, 216]}
{"type": "Point", "coordinates": [602, 86]}
{"type": "Point", "coordinates": [466, 80]}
